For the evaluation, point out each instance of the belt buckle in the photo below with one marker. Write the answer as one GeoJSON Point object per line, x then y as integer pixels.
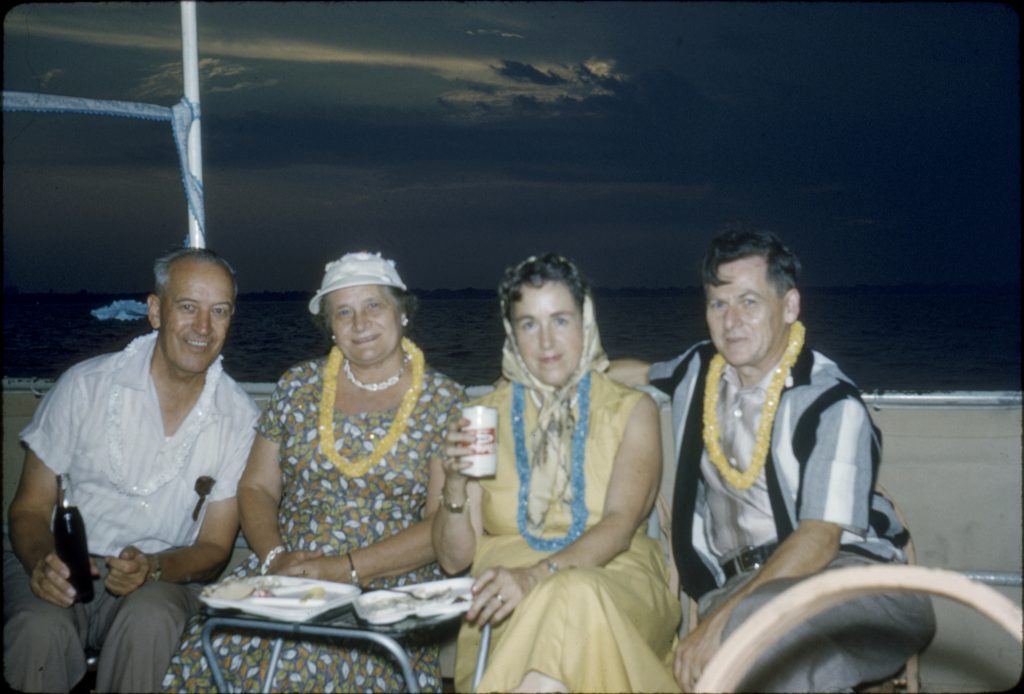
{"type": "Point", "coordinates": [748, 559]}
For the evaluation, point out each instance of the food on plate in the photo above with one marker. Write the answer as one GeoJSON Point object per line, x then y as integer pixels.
{"type": "Point", "coordinates": [230, 590]}
{"type": "Point", "coordinates": [315, 593]}
{"type": "Point", "coordinates": [286, 598]}
{"type": "Point", "coordinates": [424, 600]}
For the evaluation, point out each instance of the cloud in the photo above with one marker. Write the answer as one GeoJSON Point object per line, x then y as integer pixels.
{"type": "Point", "coordinates": [96, 37]}
{"type": "Point", "coordinates": [604, 69]}
{"type": "Point", "coordinates": [521, 71]}
{"type": "Point", "coordinates": [496, 86]}
{"type": "Point", "coordinates": [493, 32]}
{"type": "Point", "coordinates": [263, 48]}
{"type": "Point", "coordinates": [536, 91]}
{"type": "Point", "coordinates": [216, 76]}
{"type": "Point", "coordinates": [47, 78]}
{"type": "Point", "coordinates": [164, 82]}
{"type": "Point", "coordinates": [220, 76]}
{"type": "Point", "coordinates": [601, 74]}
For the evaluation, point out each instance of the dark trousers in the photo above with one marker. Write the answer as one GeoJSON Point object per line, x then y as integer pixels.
{"type": "Point", "coordinates": [862, 640]}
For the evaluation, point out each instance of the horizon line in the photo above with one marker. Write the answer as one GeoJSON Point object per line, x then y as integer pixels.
{"type": "Point", "coordinates": [14, 291]}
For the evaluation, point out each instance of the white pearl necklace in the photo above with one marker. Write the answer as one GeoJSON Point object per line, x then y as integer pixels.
{"type": "Point", "coordinates": [383, 385]}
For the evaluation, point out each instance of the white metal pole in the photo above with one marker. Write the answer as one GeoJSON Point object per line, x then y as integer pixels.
{"type": "Point", "coordinates": [190, 78]}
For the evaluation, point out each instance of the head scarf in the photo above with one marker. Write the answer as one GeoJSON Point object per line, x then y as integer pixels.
{"type": "Point", "coordinates": [550, 442]}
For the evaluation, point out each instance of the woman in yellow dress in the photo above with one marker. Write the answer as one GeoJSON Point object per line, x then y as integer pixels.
{"type": "Point", "coordinates": [575, 591]}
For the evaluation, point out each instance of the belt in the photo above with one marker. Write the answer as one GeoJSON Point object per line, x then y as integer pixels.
{"type": "Point", "coordinates": [750, 559]}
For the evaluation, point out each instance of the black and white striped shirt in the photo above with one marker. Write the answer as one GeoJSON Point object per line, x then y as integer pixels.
{"type": "Point", "coordinates": [823, 463]}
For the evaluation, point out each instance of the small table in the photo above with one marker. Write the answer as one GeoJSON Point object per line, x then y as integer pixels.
{"type": "Point", "coordinates": [339, 624]}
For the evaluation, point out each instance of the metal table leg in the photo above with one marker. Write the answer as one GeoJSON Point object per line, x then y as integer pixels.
{"type": "Point", "coordinates": [275, 653]}
{"type": "Point", "coordinates": [481, 655]}
{"type": "Point", "coordinates": [211, 659]}
{"type": "Point", "coordinates": [293, 629]}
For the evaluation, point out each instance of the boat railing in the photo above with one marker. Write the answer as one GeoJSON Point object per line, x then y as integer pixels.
{"type": "Point", "coordinates": [881, 399]}
{"type": "Point", "coordinates": [1010, 579]}
{"type": "Point", "coordinates": [876, 400]}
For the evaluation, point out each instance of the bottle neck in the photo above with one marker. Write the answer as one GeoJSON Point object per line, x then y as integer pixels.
{"type": "Point", "coordinates": [64, 499]}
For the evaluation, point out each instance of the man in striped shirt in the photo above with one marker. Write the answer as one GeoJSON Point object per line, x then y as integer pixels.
{"type": "Point", "coordinates": [777, 462]}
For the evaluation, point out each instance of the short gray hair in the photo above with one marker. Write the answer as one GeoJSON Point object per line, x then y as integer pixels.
{"type": "Point", "coordinates": [162, 266]}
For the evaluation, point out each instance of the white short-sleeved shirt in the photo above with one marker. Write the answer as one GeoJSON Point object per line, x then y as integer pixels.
{"type": "Point", "coordinates": [101, 423]}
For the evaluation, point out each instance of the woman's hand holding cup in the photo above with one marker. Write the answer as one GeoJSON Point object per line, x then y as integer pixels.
{"type": "Point", "coordinates": [471, 445]}
{"type": "Point", "coordinates": [470, 450]}
{"type": "Point", "coordinates": [480, 426]}
{"type": "Point", "coordinates": [456, 450]}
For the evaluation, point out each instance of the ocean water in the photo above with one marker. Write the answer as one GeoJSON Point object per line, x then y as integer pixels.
{"type": "Point", "coordinates": [907, 338]}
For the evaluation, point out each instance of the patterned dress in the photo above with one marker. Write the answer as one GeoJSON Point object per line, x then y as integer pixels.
{"type": "Point", "coordinates": [321, 508]}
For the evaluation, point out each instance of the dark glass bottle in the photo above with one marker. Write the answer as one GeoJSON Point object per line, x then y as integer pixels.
{"type": "Point", "coordinates": [69, 537]}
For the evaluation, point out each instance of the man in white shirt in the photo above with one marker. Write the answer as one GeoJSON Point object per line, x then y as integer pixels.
{"type": "Point", "coordinates": [154, 438]}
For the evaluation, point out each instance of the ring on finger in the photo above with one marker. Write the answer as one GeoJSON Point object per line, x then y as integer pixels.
{"type": "Point", "coordinates": [500, 598]}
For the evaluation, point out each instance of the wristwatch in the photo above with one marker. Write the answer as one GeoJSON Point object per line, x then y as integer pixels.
{"type": "Point", "coordinates": [156, 573]}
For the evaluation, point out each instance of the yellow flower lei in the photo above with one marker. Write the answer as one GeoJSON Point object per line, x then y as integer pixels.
{"type": "Point", "coordinates": [712, 434]}
{"type": "Point", "coordinates": [360, 466]}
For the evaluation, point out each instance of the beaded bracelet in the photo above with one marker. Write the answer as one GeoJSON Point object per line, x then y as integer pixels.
{"type": "Point", "coordinates": [271, 556]}
{"type": "Point", "coordinates": [453, 508]}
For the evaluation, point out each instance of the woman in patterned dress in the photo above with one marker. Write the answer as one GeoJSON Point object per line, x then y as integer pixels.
{"type": "Point", "coordinates": [336, 487]}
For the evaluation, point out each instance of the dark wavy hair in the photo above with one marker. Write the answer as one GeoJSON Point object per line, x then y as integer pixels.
{"type": "Point", "coordinates": [535, 271]}
{"type": "Point", "coordinates": [783, 265]}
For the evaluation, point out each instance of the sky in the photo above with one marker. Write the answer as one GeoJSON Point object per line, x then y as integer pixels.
{"type": "Point", "coordinates": [880, 140]}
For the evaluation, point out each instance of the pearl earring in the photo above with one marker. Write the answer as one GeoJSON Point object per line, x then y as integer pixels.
{"type": "Point", "coordinates": [405, 321]}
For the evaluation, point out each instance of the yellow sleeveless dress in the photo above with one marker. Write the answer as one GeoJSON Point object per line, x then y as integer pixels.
{"type": "Point", "coordinates": [607, 629]}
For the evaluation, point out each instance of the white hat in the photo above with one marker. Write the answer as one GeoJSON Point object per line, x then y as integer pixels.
{"type": "Point", "coordinates": [354, 269]}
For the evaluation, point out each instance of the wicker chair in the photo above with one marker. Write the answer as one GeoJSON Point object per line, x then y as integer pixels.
{"type": "Point", "coordinates": [740, 651]}
{"type": "Point", "coordinates": [907, 680]}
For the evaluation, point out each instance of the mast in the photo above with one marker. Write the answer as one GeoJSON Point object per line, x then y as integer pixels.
{"type": "Point", "coordinates": [190, 79]}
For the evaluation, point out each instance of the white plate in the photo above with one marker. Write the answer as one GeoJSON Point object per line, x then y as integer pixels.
{"type": "Point", "coordinates": [448, 597]}
{"type": "Point", "coordinates": [292, 599]}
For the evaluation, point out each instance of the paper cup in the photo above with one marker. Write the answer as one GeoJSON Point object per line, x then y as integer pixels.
{"type": "Point", "coordinates": [483, 424]}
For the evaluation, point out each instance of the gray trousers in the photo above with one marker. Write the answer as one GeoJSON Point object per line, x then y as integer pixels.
{"type": "Point", "coordinates": [860, 641]}
{"type": "Point", "coordinates": [44, 644]}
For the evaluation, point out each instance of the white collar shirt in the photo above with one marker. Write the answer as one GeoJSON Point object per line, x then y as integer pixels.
{"type": "Point", "coordinates": [102, 424]}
